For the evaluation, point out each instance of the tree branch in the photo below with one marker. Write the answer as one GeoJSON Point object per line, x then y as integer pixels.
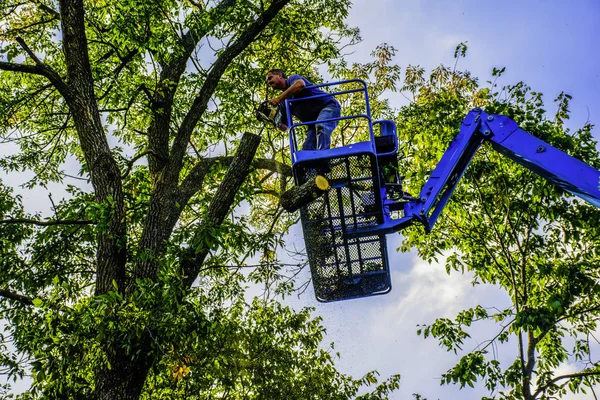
{"type": "Point", "coordinates": [567, 376]}
{"type": "Point", "coordinates": [578, 312]}
{"type": "Point", "coordinates": [529, 366]}
{"type": "Point", "coordinates": [46, 223]}
{"type": "Point", "coordinates": [220, 205]}
{"type": "Point", "coordinates": [210, 84]}
{"type": "Point", "coordinates": [45, 70]}
{"type": "Point", "coordinates": [164, 209]}
{"type": "Point", "coordinates": [272, 165]}
{"type": "Point", "coordinates": [170, 76]}
{"type": "Point", "coordinates": [195, 179]}
{"type": "Point", "coordinates": [133, 160]}
{"type": "Point", "coordinates": [28, 69]}
{"type": "Point", "coordinates": [575, 375]}
{"type": "Point", "coordinates": [47, 10]}
{"type": "Point", "coordinates": [104, 172]}
{"type": "Point", "coordinates": [39, 69]}
{"type": "Point", "coordinates": [28, 301]}
{"type": "Point", "coordinates": [29, 51]}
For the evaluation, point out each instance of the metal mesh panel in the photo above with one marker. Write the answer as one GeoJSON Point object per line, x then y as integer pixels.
{"type": "Point", "coordinates": [344, 268]}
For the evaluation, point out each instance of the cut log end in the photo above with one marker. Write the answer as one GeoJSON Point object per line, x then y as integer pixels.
{"type": "Point", "coordinates": [299, 196]}
{"type": "Point", "coordinates": [322, 183]}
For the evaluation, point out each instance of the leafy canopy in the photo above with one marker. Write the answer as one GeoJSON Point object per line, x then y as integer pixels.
{"type": "Point", "coordinates": [136, 283]}
{"type": "Point", "coordinates": [512, 229]}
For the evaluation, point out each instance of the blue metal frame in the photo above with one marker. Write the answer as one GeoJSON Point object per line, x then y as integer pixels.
{"type": "Point", "coordinates": [508, 138]}
{"type": "Point", "coordinates": [292, 127]}
{"type": "Point", "coordinates": [356, 213]}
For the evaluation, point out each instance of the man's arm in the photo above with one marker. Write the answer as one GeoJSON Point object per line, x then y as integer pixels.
{"type": "Point", "coordinates": [282, 125]}
{"type": "Point", "coordinates": [294, 88]}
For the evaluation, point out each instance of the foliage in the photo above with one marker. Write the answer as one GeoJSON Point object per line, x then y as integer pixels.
{"type": "Point", "coordinates": [136, 285]}
{"type": "Point", "coordinates": [512, 229]}
{"type": "Point", "coordinates": [381, 76]}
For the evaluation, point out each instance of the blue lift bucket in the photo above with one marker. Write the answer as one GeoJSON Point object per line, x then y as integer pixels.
{"type": "Point", "coordinates": [341, 267]}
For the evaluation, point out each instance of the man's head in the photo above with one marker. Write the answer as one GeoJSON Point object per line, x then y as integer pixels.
{"type": "Point", "coordinates": [276, 79]}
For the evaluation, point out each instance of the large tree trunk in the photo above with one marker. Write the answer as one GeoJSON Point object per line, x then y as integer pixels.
{"type": "Point", "coordinates": [124, 380]}
{"type": "Point", "coordinates": [104, 172]}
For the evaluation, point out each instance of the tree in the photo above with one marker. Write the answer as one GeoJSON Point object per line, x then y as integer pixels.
{"type": "Point", "coordinates": [135, 286]}
{"type": "Point", "coordinates": [512, 229]}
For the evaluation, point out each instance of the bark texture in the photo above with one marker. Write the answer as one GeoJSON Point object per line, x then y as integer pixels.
{"type": "Point", "coordinates": [104, 171]}
{"type": "Point", "coordinates": [299, 196]}
{"type": "Point", "coordinates": [221, 203]}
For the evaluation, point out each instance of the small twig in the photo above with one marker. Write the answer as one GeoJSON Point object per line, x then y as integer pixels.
{"type": "Point", "coordinates": [77, 177]}
{"type": "Point", "coordinates": [584, 374]}
{"type": "Point", "coordinates": [53, 205]}
{"type": "Point", "coordinates": [195, 149]}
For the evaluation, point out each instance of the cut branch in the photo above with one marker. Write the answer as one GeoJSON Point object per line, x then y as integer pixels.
{"type": "Point", "coordinates": [195, 179]}
{"type": "Point", "coordinates": [299, 196]}
{"type": "Point", "coordinates": [221, 204]}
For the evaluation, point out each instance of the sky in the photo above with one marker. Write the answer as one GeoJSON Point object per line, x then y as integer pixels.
{"type": "Point", "coordinates": [551, 45]}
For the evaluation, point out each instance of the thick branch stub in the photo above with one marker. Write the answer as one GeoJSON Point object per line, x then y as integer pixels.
{"type": "Point", "coordinates": [221, 203]}
{"type": "Point", "coordinates": [299, 196]}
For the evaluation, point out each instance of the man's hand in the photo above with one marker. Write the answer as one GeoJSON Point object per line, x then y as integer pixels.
{"type": "Point", "coordinates": [282, 127]}
{"type": "Point", "coordinates": [296, 87]}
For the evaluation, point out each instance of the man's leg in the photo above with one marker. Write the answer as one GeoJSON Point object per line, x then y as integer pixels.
{"type": "Point", "coordinates": [324, 129]}
{"type": "Point", "coordinates": [311, 139]}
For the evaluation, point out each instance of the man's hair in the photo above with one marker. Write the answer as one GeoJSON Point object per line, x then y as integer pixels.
{"type": "Point", "coordinates": [277, 72]}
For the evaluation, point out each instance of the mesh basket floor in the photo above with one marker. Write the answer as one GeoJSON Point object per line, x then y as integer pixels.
{"type": "Point", "coordinates": [344, 268]}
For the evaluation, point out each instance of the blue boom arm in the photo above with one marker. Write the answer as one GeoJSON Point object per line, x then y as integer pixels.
{"type": "Point", "coordinates": [507, 138]}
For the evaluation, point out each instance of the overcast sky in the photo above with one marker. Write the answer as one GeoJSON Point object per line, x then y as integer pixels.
{"type": "Point", "coordinates": [551, 45]}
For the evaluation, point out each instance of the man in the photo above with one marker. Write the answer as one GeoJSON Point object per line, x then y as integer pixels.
{"type": "Point", "coordinates": [318, 136]}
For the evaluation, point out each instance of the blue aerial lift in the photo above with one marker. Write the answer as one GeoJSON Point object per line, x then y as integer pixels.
{"type": "Point", "coordinates": [345, 228]}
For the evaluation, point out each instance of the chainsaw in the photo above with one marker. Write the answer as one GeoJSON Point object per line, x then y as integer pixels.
{"type": "Point", "coordinates": [269, 114]}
